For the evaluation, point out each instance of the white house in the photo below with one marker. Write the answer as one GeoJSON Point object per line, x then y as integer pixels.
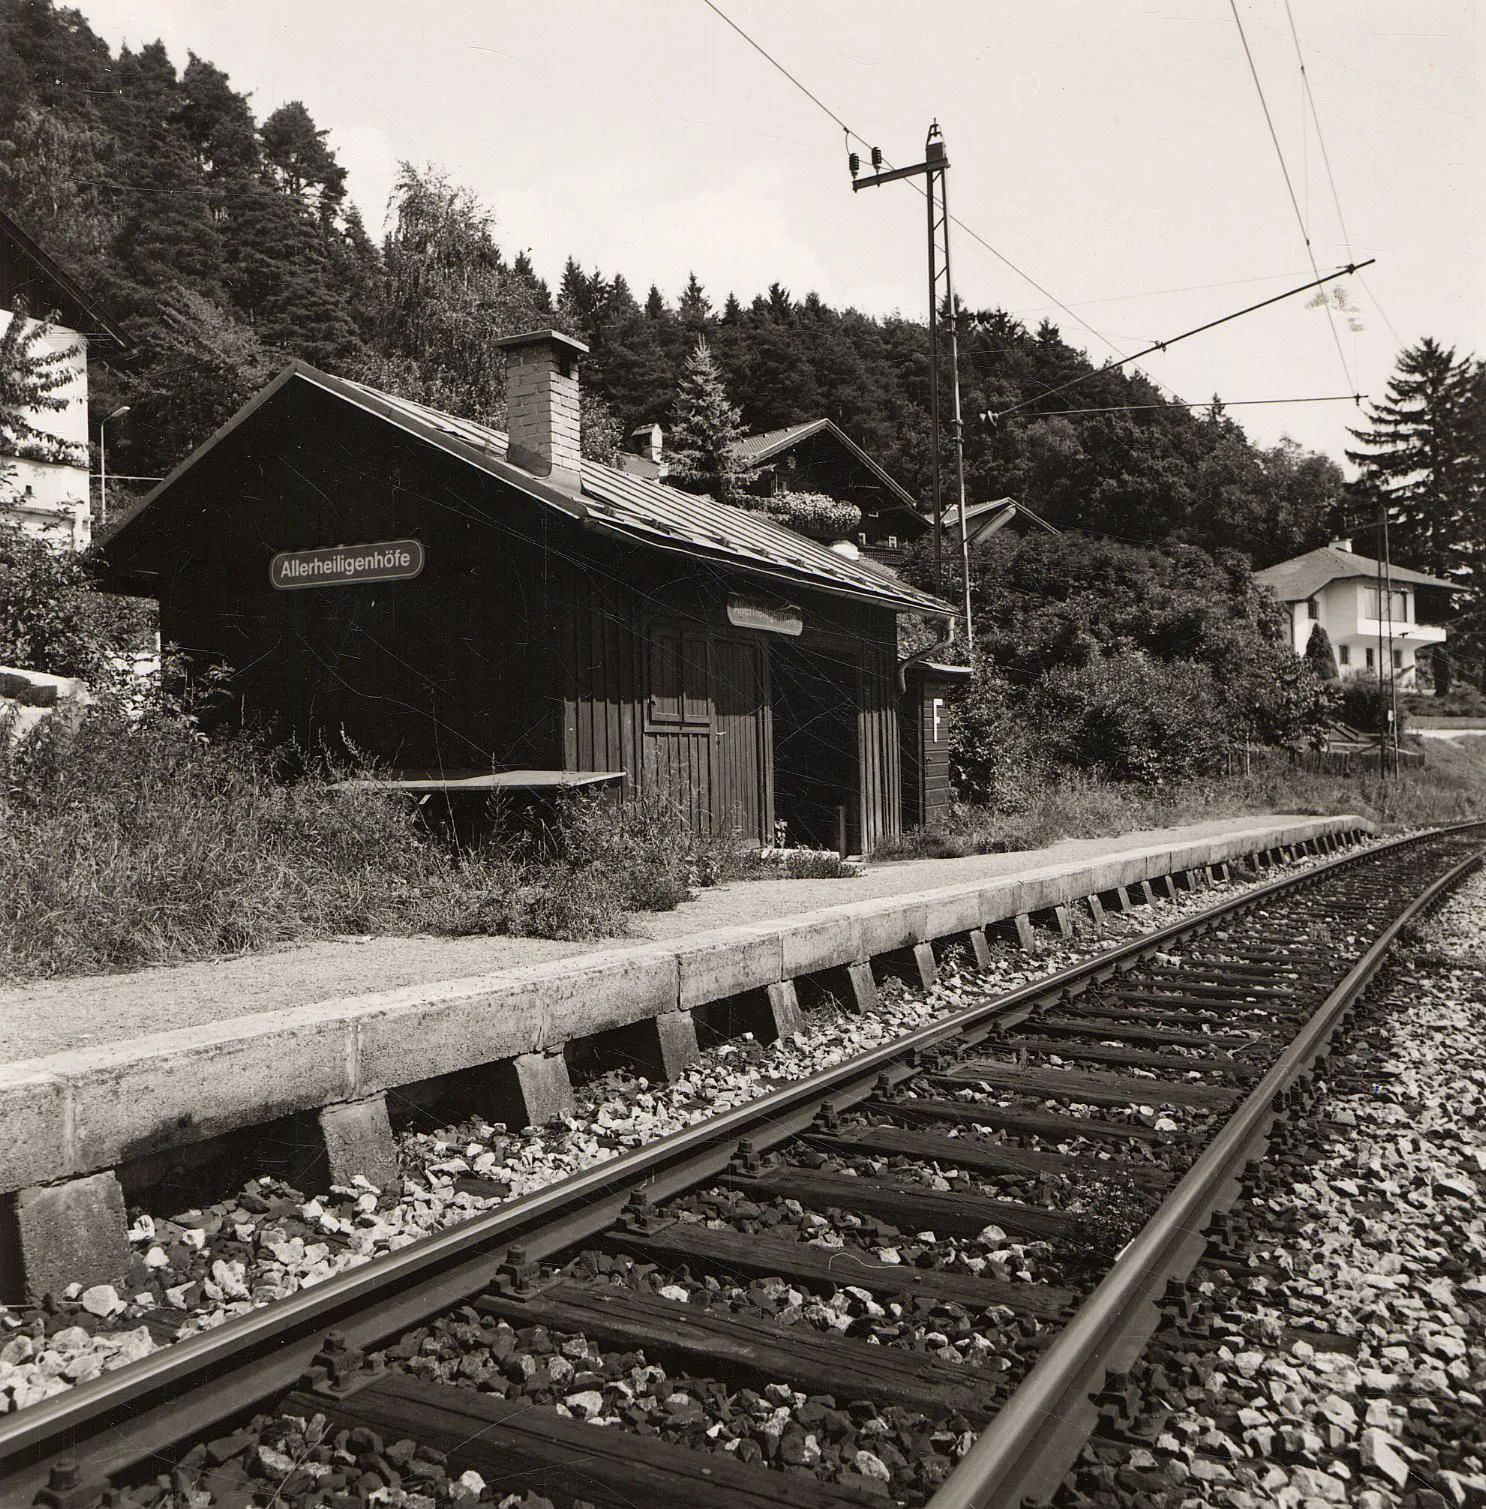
{"type": "Point", "coordinates": [44, 481]}
{"type": "Point", "coordinates": [1335, 587]}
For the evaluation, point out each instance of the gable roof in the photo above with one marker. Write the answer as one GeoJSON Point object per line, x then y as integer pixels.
{"type": "Point", "coordinates": [1303, 576]}
{"type": "Point", "coordinates": [57, 288]}
{"type": "Point", "coordinates": [986, 518]}
{"type": "Point", "coordinates": [755, 450]}
{"type": "Point", "coordinates": [647, 513]}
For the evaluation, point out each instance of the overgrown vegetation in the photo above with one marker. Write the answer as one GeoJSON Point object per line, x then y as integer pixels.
{"type": "Point", "coordinates": [133, 841]}
{"type": "Point", "coordinates": [1450, 788]}
{"type": "Point", "coordinates": [1134, 664]}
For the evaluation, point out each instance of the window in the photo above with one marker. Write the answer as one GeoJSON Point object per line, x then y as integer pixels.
{"type": "Point", "coordinates": [1312, 608]}
{"type": "Point", "coordinates": [679, 678]}
{"type": "Point", "coordinates": [1398, 660]}
{"type": "Point", "coordinates": [1344, 653]}
{"type": "Point", "coordinates": [1380, 604]}
{"type": "Point", "coordinates": [1370, 660]}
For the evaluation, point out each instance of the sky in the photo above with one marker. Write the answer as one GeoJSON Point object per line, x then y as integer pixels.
{"type": "Point", "coordinates": [1114, 152]}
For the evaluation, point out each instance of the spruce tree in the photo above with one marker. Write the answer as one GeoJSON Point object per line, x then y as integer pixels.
{"type": "Point", "coordinates": [705, 431]}
{"type": "Point", "coordinates": [1419, 457]}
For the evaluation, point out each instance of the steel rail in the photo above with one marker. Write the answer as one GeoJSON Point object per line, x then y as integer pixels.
{"type": "Point", "coordinates": [1023, 1453]}
{"type": "Point", "coordinates": [124, 1417]}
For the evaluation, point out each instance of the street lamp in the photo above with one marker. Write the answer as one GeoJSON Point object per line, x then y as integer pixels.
{"type": "Point", "coordinates": [118, 413]}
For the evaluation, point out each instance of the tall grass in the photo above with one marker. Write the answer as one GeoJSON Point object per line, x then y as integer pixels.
{"type": "Point", "coordinates": [134, 842]}
{"type": "Point", "coordinates": [1450, 788]}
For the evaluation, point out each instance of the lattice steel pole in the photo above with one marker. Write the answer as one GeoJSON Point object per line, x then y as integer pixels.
{"type": "Point", "coordinates": [934, 170]}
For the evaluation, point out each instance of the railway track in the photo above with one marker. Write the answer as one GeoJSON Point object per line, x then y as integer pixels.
{"type": "Point", "coordinates": [919, 1277]}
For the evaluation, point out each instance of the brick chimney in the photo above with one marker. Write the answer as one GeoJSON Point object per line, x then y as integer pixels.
{"type": "Point", "coordinates": [542, 418]}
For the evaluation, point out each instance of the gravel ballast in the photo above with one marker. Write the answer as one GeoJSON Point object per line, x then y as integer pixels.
{"type": "Point", "coordinates": [1337, 1355]}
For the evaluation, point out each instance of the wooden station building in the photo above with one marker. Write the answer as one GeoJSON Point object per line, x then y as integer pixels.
{"type": "Point", "coordinates": [485, 610]}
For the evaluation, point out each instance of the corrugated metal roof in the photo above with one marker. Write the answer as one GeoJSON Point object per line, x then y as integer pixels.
{"type": "Point", "coordinates": [1304, 575]}
{"type": "Point", "coordinates": [754, 450]}
{"type": "Point", "coordinates": [647, 512]}
{"type": "Point", "coordinates": [760, 447]}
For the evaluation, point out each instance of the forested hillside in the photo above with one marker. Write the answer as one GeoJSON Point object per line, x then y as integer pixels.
{"type": "Point", "coordinates": [226, 243]}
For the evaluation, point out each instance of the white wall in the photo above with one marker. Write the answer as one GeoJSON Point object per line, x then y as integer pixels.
{"type": "Point", "coordinates": [46, 498]}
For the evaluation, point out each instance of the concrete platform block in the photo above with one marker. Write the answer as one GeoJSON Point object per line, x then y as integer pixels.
{"type": "Point", "coordinates": [726, 963]}
{"type": "Point", "coordinates": [892, 924]}
{"type": "Point", "coordinates": [1022, 930]}
{"type": "Point", "coordinates": [928, 967]}
{"type": "Point", "coordinates": [980, 947]}
{"type": "Point", "coordinates": [675, 1042]}
{"type": "Point", "coordinates": [818, 941]}
{"type": "Point", "coordinates": [1062, 921]}
{"type": "Point", "coordinates": [952, 912]}
{"type": "Point", "coordinates": [542, 1088]}
{"type": "Point", "coordinates": [358, 1140]}
{"type": "Point", "coordinates": [863, 985]}
{"type": "Point", "coordinates": [1096, 909]}
{"type": "Point", "coordinates": [1145, 893]}
{"type": "Point", "coordinates": [36, 1142]}
{"type": "Point", "coordinates": [1117, 899]}
{"type": "Point", "coordinates": [784, 1006]}
{"type": "Point", "coordinates": [69, 1233]}
{"type": "Point", "coordinates": [136, 1097]}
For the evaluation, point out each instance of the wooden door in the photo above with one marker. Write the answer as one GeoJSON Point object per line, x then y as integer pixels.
{"type": "Point", "coordinates": [742, 774]}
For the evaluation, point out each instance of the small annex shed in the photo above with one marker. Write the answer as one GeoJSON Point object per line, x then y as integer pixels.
{"type": "Point", "coordinates": [925, 709]}
{"type": "Point", "coordinates": [492, 610]}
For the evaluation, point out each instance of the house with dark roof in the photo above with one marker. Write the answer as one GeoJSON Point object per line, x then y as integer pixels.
{"type": "Point", "coordinates": [44, 476]}
{"type": "Point", "coordinates": [483, 611]}
{"type": "Point", "coordinates": [1374, 616]}
{"type": "Point", "coordinates": [811, 461]}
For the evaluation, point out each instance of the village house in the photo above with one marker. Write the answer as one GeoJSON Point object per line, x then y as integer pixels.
{"type": "Point", "coordinates": [44, 480]}
{"type": "Point", "coordinates": [812, 460]}
{"type": "Point", "coordinates": [484, 611]}
{"type": "Point", "coordinates": [1340, 590]}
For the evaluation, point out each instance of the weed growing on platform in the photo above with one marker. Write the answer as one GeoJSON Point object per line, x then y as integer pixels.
{"type": "Point", "coordinates": [1450, 788]}
{"type": "Point", "coordinates": [133, 841]}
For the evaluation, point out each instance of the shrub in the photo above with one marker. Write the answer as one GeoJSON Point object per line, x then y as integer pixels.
{"type": "Point", "coordinates": [1319, 654]}
{"type": "Point", "coordinates": [1365, 705]}
{"type": "Point", "coordinates": [1131, 718]}
{"type": "Point", "coordinates": [53, 619]}
{"type": "Point", "coordinates": [813, 513]}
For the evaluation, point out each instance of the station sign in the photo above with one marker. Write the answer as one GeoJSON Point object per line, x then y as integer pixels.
{"type": "Point", "coordinates": [347, 565]}
{"type": "Point", "coordinates": [770, 617]}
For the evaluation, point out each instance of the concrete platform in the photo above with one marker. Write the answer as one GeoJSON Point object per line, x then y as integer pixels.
{"type": "Point", "coordinates": [102, 1072]}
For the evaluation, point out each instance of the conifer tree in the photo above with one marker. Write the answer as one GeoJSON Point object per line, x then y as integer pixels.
{"type": "Point", "coordinates": [1420, 457]}
{"type": "Point", "coordinates": [706, 429]}
{"type": "Point", "coordinates": [1319, 654]}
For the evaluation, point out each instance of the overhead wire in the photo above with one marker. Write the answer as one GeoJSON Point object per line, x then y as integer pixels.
{"type": "Point", "coordinates": [1341, 219]}
{"type": "Point", "coordinates": [854, 135]}
{"type": "Point", "coordinates": [1073, 382]}
{"type": "Point", "coordinates": [1222, 403]}
{"type": "Point", "coordinates": [1290, 189]}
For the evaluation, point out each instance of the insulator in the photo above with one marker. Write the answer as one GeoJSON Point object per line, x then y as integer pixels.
{"type": "Point", "coordinates": [876, 157]}
{"type": "Point", "coordinates": [854, 162]}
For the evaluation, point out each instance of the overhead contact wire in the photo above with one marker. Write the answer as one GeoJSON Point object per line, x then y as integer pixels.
{"type": "Point", "coordinates": [1290, 189]}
